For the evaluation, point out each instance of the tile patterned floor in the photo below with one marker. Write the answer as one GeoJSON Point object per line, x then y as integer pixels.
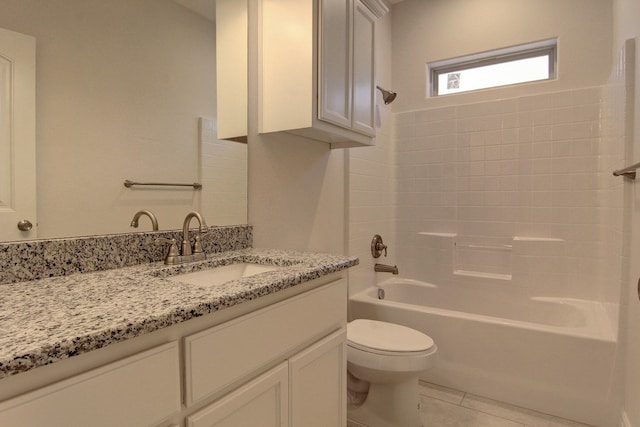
{"type": "Point", "coordinates": [445, 407]}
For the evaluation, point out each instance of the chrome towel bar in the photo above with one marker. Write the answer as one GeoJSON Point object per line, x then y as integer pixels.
{"type": "Point", "coordinates": [628, 172]}
{"type": "Point", "coordinates": [195, 185]}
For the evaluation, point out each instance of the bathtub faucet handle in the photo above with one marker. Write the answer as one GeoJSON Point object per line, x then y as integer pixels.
{"type": "Point", "coordinates": [377, 246]}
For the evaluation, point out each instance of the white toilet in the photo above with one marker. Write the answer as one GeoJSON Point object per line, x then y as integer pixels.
{"type": "Point", "coordinates": [387, 358]}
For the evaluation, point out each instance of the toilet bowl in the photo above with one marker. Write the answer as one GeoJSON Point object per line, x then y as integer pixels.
{"type": "Point", "coordinates": [388, 358]}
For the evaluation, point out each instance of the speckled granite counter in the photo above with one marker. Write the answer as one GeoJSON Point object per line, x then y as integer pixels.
{"type": "Point", "coordinates": [52, 319]}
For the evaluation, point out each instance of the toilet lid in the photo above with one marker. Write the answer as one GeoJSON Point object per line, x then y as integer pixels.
{"type": "Point", "coordinates": [385, 336]}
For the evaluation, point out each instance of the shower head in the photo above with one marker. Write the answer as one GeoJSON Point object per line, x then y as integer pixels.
{"type": "Point", "coordinates": [387, 95]}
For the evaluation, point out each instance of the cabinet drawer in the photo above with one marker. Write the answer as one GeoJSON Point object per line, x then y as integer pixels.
{"type": "Point", "coordinates": [140, 390]}
{"type": "Point", "coordinates": [218, 357]}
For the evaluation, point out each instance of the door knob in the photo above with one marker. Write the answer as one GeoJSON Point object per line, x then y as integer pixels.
{"type": "Point", "coordinates": [25, 225]}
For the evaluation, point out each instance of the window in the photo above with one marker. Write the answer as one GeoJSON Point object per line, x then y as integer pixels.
{"type": "Point", "coordinates": [520, 64]}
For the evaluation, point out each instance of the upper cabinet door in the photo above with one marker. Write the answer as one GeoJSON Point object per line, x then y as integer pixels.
{"type": "Point", "coordinates": [335, 61]}
{"type": "Point", "coordinates": [364, 69]}
{"type": "Point", "coordinates": [315, 69]}
{"type": "Point", "coordinates": [17, 136]}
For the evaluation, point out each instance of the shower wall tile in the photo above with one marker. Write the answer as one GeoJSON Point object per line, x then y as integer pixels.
{"type": "Point", "coordinates": [371, 191]}
{"type": "Point", "coordinates": [530, 166]}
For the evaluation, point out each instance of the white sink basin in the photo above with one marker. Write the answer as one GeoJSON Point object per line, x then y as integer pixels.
{"type": "Point", "coordinates": [219, 275]}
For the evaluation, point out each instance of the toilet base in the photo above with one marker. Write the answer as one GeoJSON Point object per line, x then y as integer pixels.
{"type": "Point", "coordinates": [389, 405]}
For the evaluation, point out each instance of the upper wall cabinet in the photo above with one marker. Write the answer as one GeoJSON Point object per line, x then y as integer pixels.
{"type": "Point", "coordinates": [316, 69]}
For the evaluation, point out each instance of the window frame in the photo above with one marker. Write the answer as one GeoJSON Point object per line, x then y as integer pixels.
{"type": "Point", "coordinates": [547, 48]}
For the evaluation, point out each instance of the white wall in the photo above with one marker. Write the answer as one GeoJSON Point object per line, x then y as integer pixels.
{"type": "Point", "coordinates": [296, 185]}
{"type": "Point", "coordinates": [519, 172]}
{"type": "Point", "coordinates": [426, 31]}
{"type": "Point", "coordinates": [517, 161]}
{"type": "Point", "coordinates": [528, 160]}
{"type": "Point", "coordinates": [223, 173]}
{"type": "Point", "coordinates": [371, 179]}
{"type": "Point", "coordinates": [591, 34]}
{"type": "Point", "coordinates": [120, 87]}
{"type": "Point", "coordinates": [296, 194]}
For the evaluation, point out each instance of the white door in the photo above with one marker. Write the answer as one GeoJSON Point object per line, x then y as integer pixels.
{"type": "Point", "coordinates": [17, 136]}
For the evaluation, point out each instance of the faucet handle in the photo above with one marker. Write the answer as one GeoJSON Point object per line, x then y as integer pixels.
{"type": "Point", "coordinates": [197, 245]}
{"type": "Point", "coordinates": [173, 255]}
{"type": "Point", "coordinates": [198, 253]}
{"type": "Point", "coordinates": [377, 246]}
{"type": "Point", "coordinates": [161, 240]}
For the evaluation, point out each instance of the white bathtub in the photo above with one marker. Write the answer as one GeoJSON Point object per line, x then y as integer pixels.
{"type": "Point", "coordinates": [553, 355]}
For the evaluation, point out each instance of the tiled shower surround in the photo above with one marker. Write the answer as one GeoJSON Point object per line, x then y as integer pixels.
{"type": "Point", "coordinates": [517, 191]}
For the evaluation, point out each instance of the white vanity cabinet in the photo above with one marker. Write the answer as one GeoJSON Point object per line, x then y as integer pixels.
{"type": "Point", "coordinates": [279, 360]}
{"type": "Point", "coordinates": [304, 336]}
{"type": "Point", "coordinates": [303, 391]}
{"type": "Point", "coordinates": [316, 69]}
{"type": "Point", "coordinates": [140, 390]}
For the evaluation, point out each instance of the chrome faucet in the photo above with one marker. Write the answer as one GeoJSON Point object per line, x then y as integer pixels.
{"type": "Point", "coordinates": [187, 253]}
{"type": "Point", "coordinates": [382, 268]}
{"type": "Point", "coordinates": [152, 217]}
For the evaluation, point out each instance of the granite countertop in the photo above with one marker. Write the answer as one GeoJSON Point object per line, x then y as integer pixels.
{"type": "Point", "coordinates": [48, 320]}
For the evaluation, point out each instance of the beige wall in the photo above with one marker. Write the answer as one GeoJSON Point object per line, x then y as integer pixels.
{"type": "Point", "coordinates": [426, 31]}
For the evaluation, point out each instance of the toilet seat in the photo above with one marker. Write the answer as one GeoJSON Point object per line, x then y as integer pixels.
{"type": "Point", "coordinates": [385, 338]}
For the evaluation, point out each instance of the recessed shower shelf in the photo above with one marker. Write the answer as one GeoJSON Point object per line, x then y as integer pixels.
{"type": "Point", "coordinates": [537, 239]}
{"type": "Point", "coordinates": [482, 274]}
{"type": "Point", "coordinates": [490, 257]}
{"type": "Point", "coordinates": [429, 233]}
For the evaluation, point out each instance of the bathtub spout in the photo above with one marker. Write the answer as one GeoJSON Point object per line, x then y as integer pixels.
{"type": "Point", "coordinates": [381, 268]}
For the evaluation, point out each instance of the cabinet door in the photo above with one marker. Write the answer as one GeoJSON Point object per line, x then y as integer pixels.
{"type": "Point", "coordinates": [335, 59]}
{"type": "Point", "coordinates": [140, 390]}
{"type": "Point", "coordinates": [318, 383]}
{"type": "Point", "coordinates": [262, 402]}
{"type": "Point", "coordinates": [363, 69]}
